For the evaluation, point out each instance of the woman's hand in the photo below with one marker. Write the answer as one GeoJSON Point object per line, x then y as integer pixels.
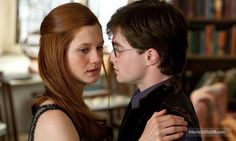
{"type": "Point", "coordinates": [161, 127]}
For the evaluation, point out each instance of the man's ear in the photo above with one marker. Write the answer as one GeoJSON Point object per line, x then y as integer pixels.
{"type": "Point", "coordinates": [152, 57]}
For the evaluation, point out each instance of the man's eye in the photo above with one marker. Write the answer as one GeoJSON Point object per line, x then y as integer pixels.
{"type": "Point", "coordinates": [85, 50]}
{"type": "Point", "coordinates": [115, 48]}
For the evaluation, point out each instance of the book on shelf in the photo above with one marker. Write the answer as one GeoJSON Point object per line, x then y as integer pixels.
{"type": "Point", "coordinates": [209, 39]}
{"type": "Point", "coordinates": [207, 8]}
{"type": "Point", "coordinates": [233, 41]}
{"type": "Point", "coordinates": [212, 28]}
{"type": "Point", "coordinates": [212, 42]}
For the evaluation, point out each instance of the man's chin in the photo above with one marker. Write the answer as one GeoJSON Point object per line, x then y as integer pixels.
{"type": "Point", "coordinates": [120, 80]}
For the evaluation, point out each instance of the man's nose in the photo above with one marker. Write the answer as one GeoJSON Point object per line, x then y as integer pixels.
{"type": "Point", "coordinates": [112, 57]}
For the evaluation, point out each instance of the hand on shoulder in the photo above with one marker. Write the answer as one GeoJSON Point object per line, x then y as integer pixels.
{"type": "Point", "coordinates": [162, 127]}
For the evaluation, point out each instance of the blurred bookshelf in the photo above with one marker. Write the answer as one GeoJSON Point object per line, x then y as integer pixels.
{"type": "Point", "coordinates": [211, 38]}
{"type": "Point", "coordinates": [212, 26]}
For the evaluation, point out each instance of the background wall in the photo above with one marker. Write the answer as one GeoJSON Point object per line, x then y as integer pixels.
{"type": "Point", "coordinates": [8, 13]}
{"type": "Point", "coordinates": [8, 26]}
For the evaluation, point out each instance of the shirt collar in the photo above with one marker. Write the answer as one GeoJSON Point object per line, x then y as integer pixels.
{"type": "Point", "coordinates": [138, 95]}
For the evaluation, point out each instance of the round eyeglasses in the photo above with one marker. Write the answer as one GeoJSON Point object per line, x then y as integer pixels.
{"type": "Point", "coordinates": [117, 51]}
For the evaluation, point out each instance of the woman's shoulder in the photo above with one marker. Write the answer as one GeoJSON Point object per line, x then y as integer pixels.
{"type": "Point", "coordinates": [55, 124]}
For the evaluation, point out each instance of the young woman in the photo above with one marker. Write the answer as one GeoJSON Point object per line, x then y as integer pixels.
{"type": "Point", "coordinates": [70, 57]}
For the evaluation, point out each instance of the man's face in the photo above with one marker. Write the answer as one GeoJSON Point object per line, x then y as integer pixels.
{"type": "Point", "coordinates": [129, 65]}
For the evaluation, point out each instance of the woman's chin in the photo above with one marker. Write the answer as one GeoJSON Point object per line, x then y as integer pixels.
{"type": "Point", "coordinates": [91, 81]}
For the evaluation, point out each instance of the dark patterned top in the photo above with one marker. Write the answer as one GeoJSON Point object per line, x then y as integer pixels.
{"type": "Point", "coordinates": [37, 112]}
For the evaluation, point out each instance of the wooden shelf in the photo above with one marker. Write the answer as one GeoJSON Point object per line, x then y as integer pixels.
{"type": "Point", "coordinates": [203, 64]}
{"type": "Point", "coordinates": [211, 58]}
{"type": "Point", "coordinates": [205, 21]}
{"type": "Point", "coordinates": [200, 23]}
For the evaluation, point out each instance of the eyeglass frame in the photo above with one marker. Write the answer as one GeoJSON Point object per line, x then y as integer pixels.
{"type": "Point", "coordinates": [116, 51]}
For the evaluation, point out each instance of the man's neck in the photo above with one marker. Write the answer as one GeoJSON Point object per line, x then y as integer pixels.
{"type": "Point", "coordinates": [152, 81]}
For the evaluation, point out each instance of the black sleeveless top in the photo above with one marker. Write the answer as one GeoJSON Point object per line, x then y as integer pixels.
{"type": "Point", "coordinates": [37, 112]}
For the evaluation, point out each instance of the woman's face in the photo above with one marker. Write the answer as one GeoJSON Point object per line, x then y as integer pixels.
{"type": "Point", "coordinates": [85, 54]}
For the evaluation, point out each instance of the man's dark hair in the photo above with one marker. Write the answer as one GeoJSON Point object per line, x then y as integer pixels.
{"type": "Point", "coordinates": [154, 24]}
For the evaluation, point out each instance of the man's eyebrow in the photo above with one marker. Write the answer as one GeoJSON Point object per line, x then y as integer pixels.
{"type": "Point", "coordinates": [113, 43]}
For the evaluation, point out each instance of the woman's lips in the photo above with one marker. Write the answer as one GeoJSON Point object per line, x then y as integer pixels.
{"type": "Point", "coordinates": [93, 71]}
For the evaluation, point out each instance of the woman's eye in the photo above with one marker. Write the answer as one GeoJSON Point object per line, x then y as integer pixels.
{"type": "Point", "coordinates": [100, 48]}
{"type": "Point", "coordinates": [85, 50]}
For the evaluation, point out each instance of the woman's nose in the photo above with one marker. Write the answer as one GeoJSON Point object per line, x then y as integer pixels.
{"type": "Point", "coordinates": [96, 57]}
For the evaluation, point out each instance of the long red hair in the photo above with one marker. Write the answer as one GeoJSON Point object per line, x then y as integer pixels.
{"type": "Point", "coordinates": [57, 31]}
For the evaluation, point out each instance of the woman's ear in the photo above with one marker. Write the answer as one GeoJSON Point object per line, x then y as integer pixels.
{"type": "Point", "coordinates": [152, 57]}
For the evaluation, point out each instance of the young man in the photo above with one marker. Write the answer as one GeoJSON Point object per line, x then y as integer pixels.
{"type": "Point", "coordinates": [150, 43]}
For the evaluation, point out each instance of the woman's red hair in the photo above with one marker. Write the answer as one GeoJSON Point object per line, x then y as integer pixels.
{"type": "Point", "coordinates": [57, 31]}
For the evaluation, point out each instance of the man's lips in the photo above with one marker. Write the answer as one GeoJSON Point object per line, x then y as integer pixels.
{"type": "Point", "coordinates": [115, 70]}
